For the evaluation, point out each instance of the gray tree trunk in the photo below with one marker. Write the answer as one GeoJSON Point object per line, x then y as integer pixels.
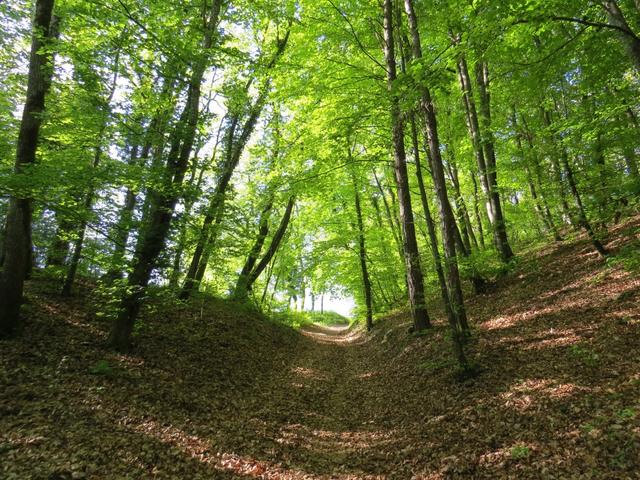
{"type": "Point", "coordinates": [412, 258]}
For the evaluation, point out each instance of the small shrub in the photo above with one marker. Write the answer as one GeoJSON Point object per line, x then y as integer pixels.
{"type": "Point", "coordinates": [101, 368]}
{"type": "Point", "coordinates": [519, 452]}
{"type": "Point", "coordinates": [627, 413]}
{"type": "Point", "coordinates": [587, 427]}
{"type": "Point", "coordinates": [585, 356]}
{"type": "Point", "coordinates": [628, 258]}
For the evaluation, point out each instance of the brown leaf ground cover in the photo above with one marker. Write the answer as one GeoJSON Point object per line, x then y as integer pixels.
{"type": "Point", "coordinates": [213, 390]}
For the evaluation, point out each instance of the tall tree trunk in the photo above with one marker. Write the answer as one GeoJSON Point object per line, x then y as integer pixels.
{"type": "Point", "coordinates": [476, 209]}
{"type": "Point", "coordinates": [17, 239]}
{"type": "Point", "coordinates": [59, 248]}
{"type": "Point", "coordinates": [153, 237]}
{"type": "Point", "coordinates": [541, 208]}
{"type": "Point", "coordinates": [458, 320]}
{"type": "Point", "coordinates": [499, 226]}
{"type": "Point", "coordinates": [412, 258]}
{"type": "Point", "coordinates": [91, 191]}
{"type": "Point", "coordinates": [362, 254]}
{"type": "Point", "coordinates": [627, 36]}
{"type": "Point", "coordinates": [431, 228]}
{"type": "Point", "coordinates": [583, 220]}
{"type": "Point", "coordinates": [234, 146]}
{"type": "Point", "coordinates": [582, 214]}
{"type": "Point", "coordinates": [154, 141]}
{"type": "Point", "coordinates": [273, 246]}
{"type": "Point", "coordinates": [630, 156]}
{"type": "Point", "coordinates": [397, 234]}
{"type": "Point", "coordinates": [466, 228]}
{"type": "Point", "coordinates": [557, 169]}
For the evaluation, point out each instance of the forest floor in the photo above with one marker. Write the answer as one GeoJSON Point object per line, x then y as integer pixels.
{"type": "Point", "coordinates": [216, 391]}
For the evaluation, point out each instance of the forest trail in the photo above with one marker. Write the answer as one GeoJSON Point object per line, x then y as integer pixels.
{"type": "Point", "coordinates": [214, 390]}
{"type": "Point", "coordinates": [325, 386]}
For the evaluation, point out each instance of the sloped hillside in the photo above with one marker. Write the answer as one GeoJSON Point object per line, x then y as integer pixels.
{"type": "Point", "coordinates": [214, 390]}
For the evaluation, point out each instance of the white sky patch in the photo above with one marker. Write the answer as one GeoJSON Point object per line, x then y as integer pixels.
{"type": "Point", "coordinates": [343, 306]}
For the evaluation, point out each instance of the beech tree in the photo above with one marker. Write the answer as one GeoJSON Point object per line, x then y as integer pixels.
{"type": "Point", "coordinates": [17, 242]}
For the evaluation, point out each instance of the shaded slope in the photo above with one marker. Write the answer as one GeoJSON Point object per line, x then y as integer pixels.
{"type": "Point", "coordinates": [215, 391]}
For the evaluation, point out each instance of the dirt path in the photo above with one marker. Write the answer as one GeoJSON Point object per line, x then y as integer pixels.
{"type": "Point", "coordinates": [325, 385]}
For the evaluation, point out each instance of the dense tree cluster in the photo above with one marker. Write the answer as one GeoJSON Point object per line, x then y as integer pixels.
{"type": "Point", "coordinates": [279, 150]}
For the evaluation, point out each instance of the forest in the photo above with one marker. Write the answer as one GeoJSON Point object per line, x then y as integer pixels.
{"type": "Point", "coordinates": [319, 239]}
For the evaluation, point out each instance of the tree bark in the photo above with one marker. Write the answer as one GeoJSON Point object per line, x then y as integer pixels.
{"type": "Point", "coordinates": [582, 214]}
{"type": "Point", "coordinates": [153, 237]}
{"type": "Point", "coordinates": [499, 226]}
{"type": "Point", "coordinates": [627, 36]}
{"type": "Point", "coordinates": [412, 258]}
{"type": "Point", "coordinates": [273, 246]}
{"type": "Point", "coordinates": [362, 254]}
{"type": "Point", "coordinates": [240, 291]}
{"type": "Point", "coordinates": [458, 320]}
{"type": "Point", "coordinates": [17, 240]}
{"type": "Point", "coordinates": [476, 210]}
{"type": "Point", "coordinates": [431, 229]}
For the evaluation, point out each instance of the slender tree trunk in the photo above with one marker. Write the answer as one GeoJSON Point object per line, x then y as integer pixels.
{"type": "Point", "coordinates": [392, 225]}
{"type": "Point", "coordinates": [59, 249]}
{"type": "Point", "coordinates": [246, 283]}
{"type": "Point", "coordinates": [582, 214]}
{"type": "Point", "coordinates": [266, 286]}
{"type": "Point", "coordinates": [458, 320]}
{"type": "Point", "coordinates": [476, 210]}
{"type": "Point", "coordinates": [468, 236]}
{"type": "Point", "coordinates": [410, 244]}
{"type": "Point", "coordinates": [17, 239]}
{"type": "Point", "coordinates": [362, 253]}
{"type": "Point", "coordinates": [499, 226]}
{"type": "Point", "coordinates": [431, 229]}
{"type": "Point", "coordinates": [91, 192]}
{"type": "Point", "coordinates": [557, 170]}
{"type": "Point", "coordinates": [240, 291]}
{"type": "Point", "coordinates": [154, 235]}
{"type": "Point", "coordinates": [603, 195]}
{"type": "Point", "coordinates": [80, 235]}
{"type": "Point", "coordinates": [154, 141]}
{"type": "Point", "coordinates": [234, 146]}
{"type": "Point", "coordinates": [542, 209]}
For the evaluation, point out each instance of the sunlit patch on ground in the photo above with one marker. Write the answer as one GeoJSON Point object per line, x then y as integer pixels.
{"type": "Point", "coordinates": [320, 439]}
{"type": "Point", "coordinates": [309, 373]}
{"type": "Point", "coordinates": [529, 393]}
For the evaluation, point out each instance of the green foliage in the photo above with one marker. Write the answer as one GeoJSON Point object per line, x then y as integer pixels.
{"type": "Point", "coordinates": [299, 319]}
{"type": "Point", "coordinates": [628, 257]}
{"type": "Point", "coordinates": [519, 452]}
{"type": "Point", "coordinates": [103, 368]}
{"type": "Point", "coordinates": [627, 413]}
{"type": "Point", "coordinates": [486, 264]}
{"type": "Point", "coordinates": [585, 355]}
